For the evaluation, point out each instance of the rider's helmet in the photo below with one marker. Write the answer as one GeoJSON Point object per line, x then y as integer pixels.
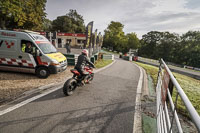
{"type": "Point", "coordinates": [85, 52]}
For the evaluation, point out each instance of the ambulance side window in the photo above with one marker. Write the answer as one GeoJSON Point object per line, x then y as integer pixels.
{"type": "Point", "coordinates": [28, 47]}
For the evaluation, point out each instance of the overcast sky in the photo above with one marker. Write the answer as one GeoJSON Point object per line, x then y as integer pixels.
{"type": "Point", "coordinates": [139, 16]}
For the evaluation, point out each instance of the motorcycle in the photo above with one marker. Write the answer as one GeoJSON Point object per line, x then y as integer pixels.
{"type": "Point", "coordinates": [78, 80]}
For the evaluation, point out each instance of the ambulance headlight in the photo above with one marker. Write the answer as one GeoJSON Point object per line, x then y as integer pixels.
{"type": "Point", "coordinates": [54, 63]}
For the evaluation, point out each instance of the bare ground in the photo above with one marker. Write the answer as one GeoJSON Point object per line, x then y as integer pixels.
{"type": "Point", "coordinates": [13, 85]}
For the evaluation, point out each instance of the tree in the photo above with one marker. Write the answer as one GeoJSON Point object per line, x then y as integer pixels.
{"type": "Point", "coordinates": [149, 42]}
{"type": "Point", "coordinates": [62, 24]}
{"type": "Point", "coordinates": [184, 50]}
{"type": "Point", "coordinates": [71, 22]}
{"type": "Point", "coordinates": [133, 41]}
{"type": "Point", "coordinates": [47, 25]}
{"type": "Point", "coordinates": [169, 46]}
{"type": "Point", "coordinates": [158, 45]}
{"type": "Point", "coordinates": [190, 49]}
{"type": "Point", "coordinates": [11, 12]}
{"type": "Point", "coordinates": [116, 40]}
{"type": "Point", "coordinates": [35, 14]}
{"type": "Point", "coordinates": [114, 36]}
{"type": "Point", "coordinates": [22, 14]}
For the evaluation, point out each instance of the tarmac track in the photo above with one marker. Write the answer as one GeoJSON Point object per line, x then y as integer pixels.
{"type": "Point", "coordinates": [106, 106]}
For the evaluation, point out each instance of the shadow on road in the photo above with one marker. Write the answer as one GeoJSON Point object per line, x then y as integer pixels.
{"type": "Point", "coordinates": [94, 119]}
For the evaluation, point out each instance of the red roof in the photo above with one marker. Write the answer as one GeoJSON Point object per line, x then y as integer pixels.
{"type": "Point", "coordinates": [71, 34]}
{"type": "Point", "coordinates": [42, 33]}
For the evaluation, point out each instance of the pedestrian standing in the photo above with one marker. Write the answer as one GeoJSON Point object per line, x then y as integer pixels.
{"type": "Point", "coordinates": [68, 47]}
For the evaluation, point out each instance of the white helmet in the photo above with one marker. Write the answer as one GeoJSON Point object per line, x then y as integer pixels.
{"type": "Point", "coordinates": [85, 51]}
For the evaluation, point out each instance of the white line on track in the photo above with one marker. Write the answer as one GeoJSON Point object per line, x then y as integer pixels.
{"type": "Point", "coordinates": [26, 101]}
{"type": "Point", "coordinates": [41, 95]}
{"type": "Point", "coordinates": [137, 125]}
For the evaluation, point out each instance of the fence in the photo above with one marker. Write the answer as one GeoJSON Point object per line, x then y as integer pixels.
{"type": "Point", "coordinates": [173, 67]}
{"type": "Point", "coordinates": [167, 118]}
{"type": "Point", "coordinates": [72, 58]}
{"type": "Point", "coordinates": [107, 57]}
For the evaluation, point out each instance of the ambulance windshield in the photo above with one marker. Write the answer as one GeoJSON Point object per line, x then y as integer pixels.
{"type": "Point", "coordinates": [47, 48]}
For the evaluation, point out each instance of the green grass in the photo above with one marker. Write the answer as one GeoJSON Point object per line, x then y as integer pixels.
{"type": "Point", "coordinates": [148, 124]}
{"type": "Point", "coordinates": [151, 70]}
{"type": "Point", "coordinates": [101, 63]}
{"type": "Point", "coordinates": [190, 86]}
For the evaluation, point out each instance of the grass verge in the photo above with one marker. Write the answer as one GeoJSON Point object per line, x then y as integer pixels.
{"type": "Point", "coordinates": [151, 70]}
{"type": "Point", "coordinates": [190, 86]}
{"type": "Point", "coordinates": [101, 63]}
{"type": "Point", "coordinates": [148, 124]}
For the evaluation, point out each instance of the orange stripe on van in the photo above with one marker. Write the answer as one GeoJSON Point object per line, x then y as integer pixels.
{"type": "Point", "coordinates": [40, 62]}
{"type": "Point", "coordinates": [39, 42]}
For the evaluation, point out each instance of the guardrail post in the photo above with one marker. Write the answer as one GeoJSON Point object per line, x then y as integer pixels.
{"type": "Point", "coordinates": [171, 87]}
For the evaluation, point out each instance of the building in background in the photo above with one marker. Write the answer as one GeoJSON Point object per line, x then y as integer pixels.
{"type": "Point", "coordinates": [76, 40]}
{"type": "Point", "coordinates": [59, 39]}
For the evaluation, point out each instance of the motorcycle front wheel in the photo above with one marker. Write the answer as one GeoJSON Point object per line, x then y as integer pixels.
{"type": "Point", "coordinates": [91, 77]}
{"type": "Point", "coordinates": [69, 86]}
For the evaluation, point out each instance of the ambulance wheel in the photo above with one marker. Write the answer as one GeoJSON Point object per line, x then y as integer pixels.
{"type": "Point", "coordinates": [42, 72]}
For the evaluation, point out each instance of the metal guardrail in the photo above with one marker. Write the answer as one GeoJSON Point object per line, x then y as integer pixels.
{"type": "Point", "coordinates": [73, 58]}
{"type": "Point", "coordinates": [173, 67]}
{"type": "Point", "coordinates": [107, 56]}
{"type": "Point", "coordinates": [166, 109]}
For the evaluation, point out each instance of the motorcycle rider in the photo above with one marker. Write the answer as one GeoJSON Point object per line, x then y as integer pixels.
{"type": "Point", "coordinates": [83, 60]}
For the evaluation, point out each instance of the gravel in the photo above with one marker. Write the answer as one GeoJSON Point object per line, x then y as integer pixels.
{"type": "Point", "coordinates": [13, 84]}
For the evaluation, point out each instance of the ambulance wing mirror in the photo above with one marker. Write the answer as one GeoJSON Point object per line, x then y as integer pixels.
{"type": "Point", "coordinates": [38, 53]}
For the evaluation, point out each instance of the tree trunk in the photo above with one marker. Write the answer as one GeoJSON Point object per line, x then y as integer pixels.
{"type": "Point", "coordinates": [2, 24]}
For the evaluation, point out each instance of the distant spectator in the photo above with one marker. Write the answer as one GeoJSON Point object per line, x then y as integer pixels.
{"type": "Point", "coordinates": [53, 42]}
{"type": "Point", "coordinates": [68, 47]}
{"type": "Point", "coordinates": [81, 47]}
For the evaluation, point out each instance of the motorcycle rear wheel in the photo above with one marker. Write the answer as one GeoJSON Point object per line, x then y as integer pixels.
{"type": "Point", "coordinates": [69, 86]}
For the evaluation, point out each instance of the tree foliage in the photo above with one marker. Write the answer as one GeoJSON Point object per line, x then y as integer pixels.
{"type": "Point", "coordinates": [116, 40]}
{"type": "Point", "coordinates": [71, 22]}
{"type": "Point", "coordinates": [157, 45]}
{"type": "Point", "coordinates": [24, 14]}
{"type": "Point", "coordinates": [190, 48]}
{"type": "Point", "coordinates": [133, 41]}
{"type": "Point", "coordinates": [114, 35]}
{"type": "Point", "coordinates": [171, 47]}
{"type": "Point", "coordinates": [47, 25]}
{"type": "Point", "coordinates": [183, 50]}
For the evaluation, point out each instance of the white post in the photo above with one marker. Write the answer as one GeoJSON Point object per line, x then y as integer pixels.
{"type": "Point", "coordinates": [130, 57]}
{"type": "Point", "coordinates": [50, 37]}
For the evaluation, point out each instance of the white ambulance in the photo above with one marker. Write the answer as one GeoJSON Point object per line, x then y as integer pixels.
{"type": "Point", "coordinates": [29, 52]}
